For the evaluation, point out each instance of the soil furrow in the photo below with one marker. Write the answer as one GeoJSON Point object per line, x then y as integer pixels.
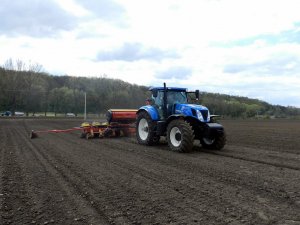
{"type": "Point", "coordinates": [16, 203]}
{"type": "Point", "coordinates": [67, 180]}
{"type": "Point", "coordinates": [279, 165]}
{"type": "Point", "coordinates": [71, 197]}
{"type": "Point", "coordinates": [234, 184]}
{"type": "Point", "coordinates": [90, 185]}
{"type": "Point", "coordinates": [157, 175]}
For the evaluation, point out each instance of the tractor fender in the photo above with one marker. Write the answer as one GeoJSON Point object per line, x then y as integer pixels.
{"type": "Point", "coordinates": [213, 128]}
{"type": "Point", "coordinates": [152, 111]}
{"type": "Point", "coordinates": [173, 117]}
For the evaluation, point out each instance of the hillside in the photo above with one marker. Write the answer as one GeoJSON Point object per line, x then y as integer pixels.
{"type": "Point", "coordinates": [31, 92]}
{"type": "Point", "coordinates": [237, 106]}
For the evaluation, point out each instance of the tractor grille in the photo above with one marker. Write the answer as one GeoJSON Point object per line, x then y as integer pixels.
{"type": "Point", "coordinates": [204, 114]}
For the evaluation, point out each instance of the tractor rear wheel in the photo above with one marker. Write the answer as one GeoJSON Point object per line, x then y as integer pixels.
{"type": "Point", "coordinates": [180, 136]}
{"type": "Point", "coordinates": [215, 143]}
{"type": "Point", "coordinates": [144, 129]}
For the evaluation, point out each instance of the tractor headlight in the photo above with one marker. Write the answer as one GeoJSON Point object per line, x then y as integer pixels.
{"type": "Point", "coordinates": [199, 115]}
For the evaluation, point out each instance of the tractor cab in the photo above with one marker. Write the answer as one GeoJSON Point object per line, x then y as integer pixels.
{"type": "Point", "coordinates": [165, 100]}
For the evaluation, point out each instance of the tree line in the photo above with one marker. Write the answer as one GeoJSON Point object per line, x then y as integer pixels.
{"type": "Point", "coordinates": [243, 107]}
{"type": "Point", "coordinates": [24, 87]}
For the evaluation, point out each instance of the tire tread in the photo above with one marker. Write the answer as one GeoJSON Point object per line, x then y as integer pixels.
{"type": "Point", "coordinates": [187, 135]}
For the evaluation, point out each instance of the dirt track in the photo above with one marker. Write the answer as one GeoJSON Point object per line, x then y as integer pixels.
{"type": "Point", "coordinates": [62, 179]}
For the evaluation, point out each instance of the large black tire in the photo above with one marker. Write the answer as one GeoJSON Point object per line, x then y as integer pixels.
{"type": "Point", "coordinates": [180, 136]}
{"type": "Point", "coordinates": [144, 129]}
{"type": "Point", "coordinates": [216, 143]}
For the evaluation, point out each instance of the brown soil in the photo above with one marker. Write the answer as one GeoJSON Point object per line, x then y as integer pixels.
{"type": "Point", "coordinates": [62, 179]}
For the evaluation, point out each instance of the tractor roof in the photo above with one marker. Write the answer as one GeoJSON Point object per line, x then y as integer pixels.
{"type": "Point", "coordinates": [168, 88]}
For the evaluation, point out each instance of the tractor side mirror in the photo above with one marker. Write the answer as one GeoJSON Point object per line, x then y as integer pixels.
{"type": "Point", "coordinates": [197, 93]}
{"type": "Point", "coordinates": [154, 93]}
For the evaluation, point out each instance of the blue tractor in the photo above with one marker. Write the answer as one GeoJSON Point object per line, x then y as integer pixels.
{"type": "Point", "coordinates": [169, 114]}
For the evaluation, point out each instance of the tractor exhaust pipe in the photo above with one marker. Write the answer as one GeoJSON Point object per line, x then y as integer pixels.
{"type": "Point", "coordinates": [165, 101]}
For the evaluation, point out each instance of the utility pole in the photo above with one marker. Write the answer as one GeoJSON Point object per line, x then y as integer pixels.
{"type": "Point", "coordinates": [84, 106]}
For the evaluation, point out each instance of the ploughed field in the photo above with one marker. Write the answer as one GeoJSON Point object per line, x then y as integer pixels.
{"type": "Point", "coordinates": [62, 179]}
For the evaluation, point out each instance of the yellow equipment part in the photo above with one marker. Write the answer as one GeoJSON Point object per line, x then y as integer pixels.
{"type": "Point", "coordinates": [85, 124]}
{"type": "Point", "coordinates": [96, 124]}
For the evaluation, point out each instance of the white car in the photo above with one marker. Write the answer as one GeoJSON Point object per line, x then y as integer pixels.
{"type": "Point", "coordinates": [19, 114]}
{"type": "Point", "coordinates": [70, 115]}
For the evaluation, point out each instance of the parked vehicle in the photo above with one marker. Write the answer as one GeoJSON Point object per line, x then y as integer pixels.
{"type": "Point", "coordinates": [70, 115]}
{"type": "Point", "coordinates": [7, 113]}
{"type": "Point", "coordinates": [19, 113]}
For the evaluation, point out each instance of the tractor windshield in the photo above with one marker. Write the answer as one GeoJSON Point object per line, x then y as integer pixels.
{"type": "Point", "coordinates": [176, 97]}
{"type": "Point", "coordinates": [173, 97]}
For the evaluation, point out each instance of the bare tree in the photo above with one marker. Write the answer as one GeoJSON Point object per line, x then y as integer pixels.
{"type": "Point", "coordinates": [20, 79]}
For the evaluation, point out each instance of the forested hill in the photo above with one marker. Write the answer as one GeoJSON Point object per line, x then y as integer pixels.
{"type": "Point", "coordinates": [32, 92]}
{"type": "Point", "coordinates": [243, 107]}
{"type": "Point", "coordinates": [39, 92]}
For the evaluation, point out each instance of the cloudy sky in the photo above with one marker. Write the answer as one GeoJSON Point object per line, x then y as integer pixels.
{"type": "Point", "coordinates": [239, 47]}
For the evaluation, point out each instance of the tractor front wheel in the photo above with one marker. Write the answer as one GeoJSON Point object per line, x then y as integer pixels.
{"type": "Point", "coordinates": [215, 143]}
{"type": "Point", "coordinates": [180, 136]}
{"type": "Point", "coordinates": [144, 129]}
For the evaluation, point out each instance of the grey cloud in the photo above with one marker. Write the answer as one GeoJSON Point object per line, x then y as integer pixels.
{"type": "Point", "coordinates": [107, 10]}
{"type": "Point", "coordinates": [38, 18]}
{"type": "Point", "coordinates": [277, 65]}
{"type": "Point", "coordinates": [175, 72]}
{"type": "Point", "coordinates": [135, 51]}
